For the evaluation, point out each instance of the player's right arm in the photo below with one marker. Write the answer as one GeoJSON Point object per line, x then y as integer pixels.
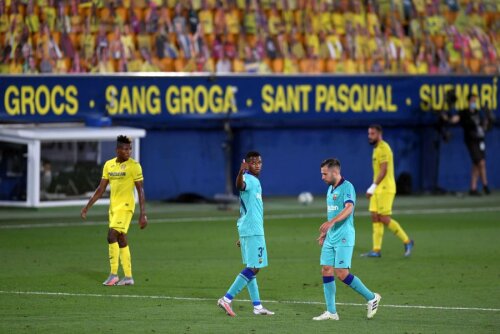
{"type": "Point", "coordinates": [384, 160]}
{"type": "Point", "coordinates": [240, 182]}
{"type": "Point", "coordinates": [97, 194]}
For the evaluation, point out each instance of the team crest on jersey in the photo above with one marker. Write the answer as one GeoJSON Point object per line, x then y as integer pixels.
{"type": "Point", "coordinates": [335, 195]}
{"type": "Point", "coordinates": [123, 166]}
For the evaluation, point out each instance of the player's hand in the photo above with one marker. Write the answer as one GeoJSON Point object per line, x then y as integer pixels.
{"type": "Point", "coordinates": [238, 243]}
{"type": "Point", "coordinates": [325, 227]}
{"type": "Point", "coordinates": [371, 190]}
{"type": "Point", "coordinates": [244, 166]}
{"type": "Point", "coordinates": [143, 221]}
{"type": "Point", "coordinates": [321, 238]}
{"type": "Point", "coordinates": [83, 213]}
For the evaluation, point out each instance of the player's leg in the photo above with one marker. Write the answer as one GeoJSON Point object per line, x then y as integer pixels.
{"type": "Point", "coordinates": [114, 254]}
{"type": "Point", "coordinates": [386, 201]}
{"type": "Point", "coordinates": [125, 260]}
{"type": "Point", "coordinates": [250, 257]}
{"type": "Point", "coordinates": [399, 232]}
{"type": "Point", "coordinates": [257, 259]}
{"type": "Point", "coordinates": [327, 261]}
{"type": "Point", "coordinates": [342, 265]}
{"type": "Point", "coordinates": [377, 228]}
{"type": "Point", "coordinates": [124, 220]}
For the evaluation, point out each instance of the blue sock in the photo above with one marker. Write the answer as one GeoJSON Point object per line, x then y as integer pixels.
{"type": "Point", "coordinates": [253, 291]}
{"type": "Point", "coordinates": [239, 283]}
{"type": "Point", "coordinates": [358, 286]}
{"type": "Point", "coordinates": [329, 289]}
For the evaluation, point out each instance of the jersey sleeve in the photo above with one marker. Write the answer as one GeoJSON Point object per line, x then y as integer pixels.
{"type": "Point", "coordinates": [248, 183]}
{"type": "Point", "coordinates": [105, 171]}
{"type": "Point", "coordinates": [349, 195]}
{"type": "Point", "coordinates": [137, 172]}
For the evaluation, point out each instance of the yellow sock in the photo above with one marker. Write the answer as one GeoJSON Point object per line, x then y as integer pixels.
{"type": "Point", "coordinates": [114, 254]}
{"type": "Point", "coordinates": [126, 261]}
{"type": "Point", "coordinates": [398, 231]}
{"type": "Point", "coordinates": [378, 234]}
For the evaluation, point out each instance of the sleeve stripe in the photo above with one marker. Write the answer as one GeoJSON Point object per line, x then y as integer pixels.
{"type": "Point", "coordinates": [349, 201]}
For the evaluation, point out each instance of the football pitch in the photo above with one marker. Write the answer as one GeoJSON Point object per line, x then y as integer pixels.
{"type": "Point", "coordinates": [52, 266]}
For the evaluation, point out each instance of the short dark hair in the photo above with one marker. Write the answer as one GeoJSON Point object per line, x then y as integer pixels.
{"type": "Point", "coordinates": [331, 162]}
{"type": "Point", "coordinates": [120, 140]}
{"type": "Point", "coordinates": [252, 154]}
{"type": "Point", "coordinates": [377, 127]}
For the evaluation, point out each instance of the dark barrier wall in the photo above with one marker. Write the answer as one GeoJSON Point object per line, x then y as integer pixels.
{"type": "Point", "coordinates": [295, 121]}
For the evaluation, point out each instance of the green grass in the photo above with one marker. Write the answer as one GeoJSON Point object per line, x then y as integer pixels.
{"type": "Point", "coordinates": [184, 254]}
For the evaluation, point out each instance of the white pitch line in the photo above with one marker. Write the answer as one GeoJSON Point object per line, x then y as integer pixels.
{"type": "Point", "coordinates": [271, 216]}
{"type": "Point", "coordinates": [69, 294]}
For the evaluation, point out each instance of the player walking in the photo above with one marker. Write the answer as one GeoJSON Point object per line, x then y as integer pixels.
{"type": "Point", "coordinates": [122, 173]}
{"type": "Point", "coordinates": [381, 194]}
{"type": "Point", "coordinates": [337, 238]}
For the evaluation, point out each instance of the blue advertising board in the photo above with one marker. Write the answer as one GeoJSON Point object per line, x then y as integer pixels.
{"type": "Point", "coordinates": [172, 98]}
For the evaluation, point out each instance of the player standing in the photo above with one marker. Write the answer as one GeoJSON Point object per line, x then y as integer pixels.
{"type": "Point", "coordinates": [122, 174]}
{"type": "Point", "coordinates": [251, 235]}
{"type": "Point", "coordinates": [337, 238]}
{"type": "Point", "coordinates": [381, 194]}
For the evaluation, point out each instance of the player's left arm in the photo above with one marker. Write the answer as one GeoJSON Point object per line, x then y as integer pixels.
{"type": "Point", "coordinates": [343, 215]}
{"type": "Point", "coordinates": [143, 219]}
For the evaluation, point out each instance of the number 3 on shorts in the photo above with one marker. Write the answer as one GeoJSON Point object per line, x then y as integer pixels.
{"type": "Point", "coordinates": [261, 249]}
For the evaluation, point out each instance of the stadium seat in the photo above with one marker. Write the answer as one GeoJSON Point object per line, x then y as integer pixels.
{"type": "Point", "coordinates": [277, 65]}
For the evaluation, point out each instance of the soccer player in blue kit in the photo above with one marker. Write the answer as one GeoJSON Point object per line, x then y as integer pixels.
{"type": "Point", "coordinates": [337, 237]}
{"type": "Point", "coordinates": [251, 235]}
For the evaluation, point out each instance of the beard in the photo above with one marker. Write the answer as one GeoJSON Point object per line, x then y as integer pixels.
{"type": "Point", "coordinates": [372, 142]}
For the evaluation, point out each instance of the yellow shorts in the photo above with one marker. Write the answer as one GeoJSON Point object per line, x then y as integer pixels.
{"type": "Point", "coordinates": [120, 220]}
{"type": "Point", "coordinates": [381, 203]}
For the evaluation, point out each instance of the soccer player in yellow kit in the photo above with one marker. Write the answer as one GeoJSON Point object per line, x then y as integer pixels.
{"type": "Point", "coordinates": [381, 194]}
{"type": "Point", "coordinates": [122, 174]}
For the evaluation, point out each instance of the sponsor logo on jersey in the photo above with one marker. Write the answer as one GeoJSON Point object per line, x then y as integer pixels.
{"type": "Point", "coordinates": [117, 173]}
{"type": "Point", "coordinates": [333, 207]}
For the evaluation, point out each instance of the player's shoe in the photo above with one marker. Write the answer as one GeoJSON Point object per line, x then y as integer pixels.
{"type": "Point", "coordinates": [409, 247]}
{"type": "Point", "coordinates": [111, 280]}
{"type": "Point", "coordinates": [262, 311]}
{"type": "Point", "coordinates": [126, 281]}
{"type": "Point", "coordinates": [373, 306]}
{"type": "Point", "coordinates": [226, 307]}
{"type": "Point", "coordinates": [372, 254]}
{"type": "Point", "coordinates": [327, 316]}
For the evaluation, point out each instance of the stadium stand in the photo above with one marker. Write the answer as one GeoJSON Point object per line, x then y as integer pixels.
{"type": "Point", "coordinates": [281, 36]}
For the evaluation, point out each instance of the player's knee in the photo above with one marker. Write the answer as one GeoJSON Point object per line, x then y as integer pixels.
{"type": "Point", "coordinates": [327, 271]}
{"type": "Point", "coordinates": [341, 273]}
{"type": "Point", "coordinates": [385, 219]}
{"type": "Point", "coordinates": [122, 242]}
{"type": "Point", "coordinates": [112, 237]}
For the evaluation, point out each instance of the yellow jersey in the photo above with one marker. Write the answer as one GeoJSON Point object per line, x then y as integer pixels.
{"type": "Point", "coordinates": [383, 153]}
{"type": "Point", "coordinates": [122, 178]}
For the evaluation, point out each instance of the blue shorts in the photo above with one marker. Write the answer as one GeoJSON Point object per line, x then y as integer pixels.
{"type": "Point", "coordinates": [254, 251]}
{"type": "Point", "coordinates": [337, 257]}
